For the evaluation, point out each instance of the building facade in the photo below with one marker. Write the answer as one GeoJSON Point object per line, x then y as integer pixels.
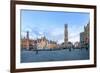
{"type": "Point", "coordinates": [52, 45]}
{"type": "Point", "coordinates": [41, 43]}
{"type": "Point", "coordinates": [82, 41]}
{"type": "Point", "coordinates": [84, 37]}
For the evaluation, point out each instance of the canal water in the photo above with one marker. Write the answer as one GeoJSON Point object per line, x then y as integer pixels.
{"type": "Point", "coordinates": [54, 55]}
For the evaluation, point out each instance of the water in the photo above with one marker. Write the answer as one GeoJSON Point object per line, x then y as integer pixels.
{"type": "Point", "coordinates": [57, 55]}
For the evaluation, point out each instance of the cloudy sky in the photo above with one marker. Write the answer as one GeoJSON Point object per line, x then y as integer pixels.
{"type": "Point", "coordinates": [51, 24]}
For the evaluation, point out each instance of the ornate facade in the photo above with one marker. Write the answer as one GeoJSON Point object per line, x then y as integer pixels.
{"type": "Point", "coordinates": [41, 43]}
{"type": "Point", "coordinates": [84, 37]}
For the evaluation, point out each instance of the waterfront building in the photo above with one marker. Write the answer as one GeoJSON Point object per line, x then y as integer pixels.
{"type": "Point", "coordinates": [32, 44]}
{"type": "Point", "coordinates": [82, 41]}
{"type": "Point", "coordinates": [25, 41]}
{"type": "Point", "coordinates": [52, 45]}
{"type": "Point", "coordinates": [42, 43]}
{"type": "Point", "coordinates": [84, 37]}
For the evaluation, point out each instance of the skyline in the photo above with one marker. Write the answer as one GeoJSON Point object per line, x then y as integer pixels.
{"type": "Point", "coordinates": [51, 24]}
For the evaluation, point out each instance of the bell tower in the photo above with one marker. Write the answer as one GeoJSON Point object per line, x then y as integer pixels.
{"type": "Point", "coordinates": [66, 35]}
{"type": "Point", "coordinates": [27, 40]}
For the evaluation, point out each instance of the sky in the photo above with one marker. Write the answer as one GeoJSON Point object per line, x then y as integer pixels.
{"type": "Point", "coordinates": [51, 24]}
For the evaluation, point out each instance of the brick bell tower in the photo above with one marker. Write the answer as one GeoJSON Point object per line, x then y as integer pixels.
{"type": "Point", "coordinates": [66, 35]}
{"type": "Point", "coordinates": [27, 38]}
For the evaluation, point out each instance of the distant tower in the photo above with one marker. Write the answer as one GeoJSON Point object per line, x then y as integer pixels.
{"type": "Point", "coordinates": [27, 40]}
{"type": "Point", "coordinates": [27, 35]}
{"type": "Point", "coordinates": [66, 35]}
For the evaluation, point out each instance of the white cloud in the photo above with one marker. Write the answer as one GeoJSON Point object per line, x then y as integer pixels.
{"type": "Point", "coordinates": [55, 34]}
{"type": "Point", "coordinates": [57, 31]}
